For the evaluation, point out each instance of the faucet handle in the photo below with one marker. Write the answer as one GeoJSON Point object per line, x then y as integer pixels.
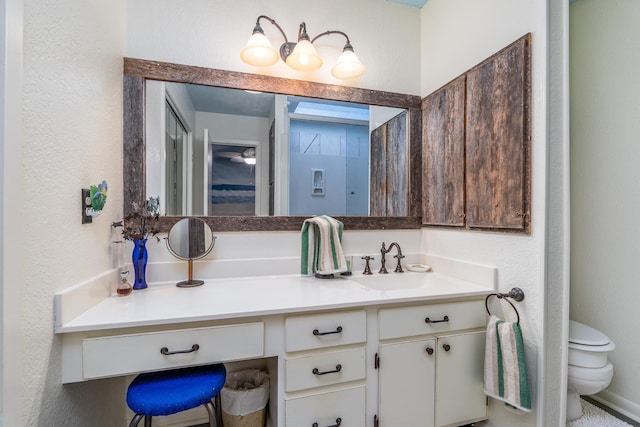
{"type": "Point", "coordinates": [399, 266]}
{"type": "Point", "coordinates": [367, 269]}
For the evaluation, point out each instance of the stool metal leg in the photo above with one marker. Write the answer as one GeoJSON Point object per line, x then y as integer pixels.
{"type": "Point", "coordinates": [212, 416]}
{"type": "Point", "coordinates": [218, 404]}
{"type": "Point", "coordinates": [147, 421]}
{"type": "Point", "coordinates": [215, 412]}
{"type": "Point", "coordinates": [135, 420]}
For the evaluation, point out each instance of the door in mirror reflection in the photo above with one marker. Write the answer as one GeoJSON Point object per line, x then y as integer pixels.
{"type": "Point", "coordinates": [329, 168]}
{"type": "Point", "coordinates": [231, 180]}
{"type": "Point", "coordinates": [176, 168]}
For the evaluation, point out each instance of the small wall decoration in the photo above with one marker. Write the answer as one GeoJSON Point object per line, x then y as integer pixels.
{"type": "Point", "coordinates": [317, 182]}
{"type": "Point", "coordinates": [93, 200]}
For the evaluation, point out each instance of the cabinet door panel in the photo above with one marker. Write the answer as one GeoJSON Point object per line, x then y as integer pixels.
{"type": "Point", "coordinates": [406, 384]}
{"type": "Point", "coordinates": [443, 155]}
{"type": "Point", "coordinates": [459, 383]}
{"type": "Point", "coordinates": [497, 139]}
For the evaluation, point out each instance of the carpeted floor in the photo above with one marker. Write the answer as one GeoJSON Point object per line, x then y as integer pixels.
{"type": "Point", "coordinates": [592, 416]}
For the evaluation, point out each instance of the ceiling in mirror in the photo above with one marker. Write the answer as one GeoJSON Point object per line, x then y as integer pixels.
{"type": "Point", "coordinates": [282, 105]}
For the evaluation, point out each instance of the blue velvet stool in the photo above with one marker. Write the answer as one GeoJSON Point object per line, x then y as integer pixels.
{"type": "Point", "coordinates": [170, 392]}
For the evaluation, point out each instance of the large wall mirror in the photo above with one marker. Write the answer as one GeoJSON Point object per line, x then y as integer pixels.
{"type": "Point", "coordinates": [251, 152]}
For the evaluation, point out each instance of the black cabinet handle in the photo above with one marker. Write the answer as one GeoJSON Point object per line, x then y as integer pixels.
{"type": "Point", "coordinates": [429, 351]}
{"type": "Point", "coordinates": [315, 371]}
{"type": "Point", "coordinates": [338, 422]}
{"type": "Point", "coordinates": [446, 347]}
{"type": "Point", "coordinates": [444, 319]}
{"type": "Point", "coordinates": [318, 333]}
{"type": "Point", "coordinates": [166, 352]}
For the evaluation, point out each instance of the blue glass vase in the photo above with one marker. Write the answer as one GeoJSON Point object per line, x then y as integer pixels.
{"type": "Point", "coordinates": [139, 258]}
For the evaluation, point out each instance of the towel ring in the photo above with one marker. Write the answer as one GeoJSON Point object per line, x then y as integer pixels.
{"type": "Point", "coordinates": [516, 294]}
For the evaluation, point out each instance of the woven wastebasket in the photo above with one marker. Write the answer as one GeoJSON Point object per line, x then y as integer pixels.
{"type": "Point", "coordinates": [244, 398]}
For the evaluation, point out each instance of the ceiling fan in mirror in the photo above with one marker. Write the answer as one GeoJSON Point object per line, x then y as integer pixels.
{"type": "Point", "coordinates": [247, 156]}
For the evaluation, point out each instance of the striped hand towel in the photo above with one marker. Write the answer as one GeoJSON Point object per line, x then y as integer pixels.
{"type": "Point", "coordinates": [321, 246]}
{"type": "Point", "coordinates": [505, 368]}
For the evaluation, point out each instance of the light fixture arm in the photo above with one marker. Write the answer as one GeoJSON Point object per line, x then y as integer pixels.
{"type": "Point", "coordinates": [347, 45]}
{"type": "Point", "coordinates": [258, 28]}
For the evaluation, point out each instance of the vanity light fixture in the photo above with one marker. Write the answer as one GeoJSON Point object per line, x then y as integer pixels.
{"type": "Point", "coordinates": [301, 56]}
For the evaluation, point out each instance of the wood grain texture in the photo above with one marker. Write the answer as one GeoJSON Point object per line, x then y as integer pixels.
{"type": "Point", "coordinates": [443, 155]}
{"type": "Point", "coordinates": [133, 168]}
{"type": "Point", "coordinates": [397, 174]}
{"type": "Point", "coordinates": [378, 172]}
{"type": "Point", "coordinates": [415, 162]}
{"type": "Point", "coordinates": [138, 70]}
{"type": "Point", "coordinates": [498, 139]}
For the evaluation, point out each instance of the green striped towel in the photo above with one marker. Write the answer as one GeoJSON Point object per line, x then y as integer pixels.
{"type": "Point", "coordinates": [321, 250]}
{"type": "Point", "coordinates": [505, 367]}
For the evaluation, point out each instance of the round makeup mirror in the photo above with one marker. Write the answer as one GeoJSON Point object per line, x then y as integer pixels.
{"type": "Point", "coordinates": [189, 239]}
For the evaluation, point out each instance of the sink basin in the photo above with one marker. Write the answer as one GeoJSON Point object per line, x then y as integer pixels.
{"type": "Point", "coordinates": [394, 281]}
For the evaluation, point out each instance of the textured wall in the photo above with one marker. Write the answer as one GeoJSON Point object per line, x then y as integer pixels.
{"type": "Point", "coordinates": [72, 138]}
{"type": "Point", "coordinates": [456, 35]}
{"type": "Point", "coordinates": [211, 33]}
{"type": "Point", "coordinates": [605, 242]}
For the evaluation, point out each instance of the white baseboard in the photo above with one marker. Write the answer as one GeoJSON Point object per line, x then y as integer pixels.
{"type": "Point", "coordinates": [619, 404]}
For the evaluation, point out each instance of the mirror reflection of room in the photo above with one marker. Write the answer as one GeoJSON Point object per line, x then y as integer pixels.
{"type": "Point", "coordinates": [229, 152]}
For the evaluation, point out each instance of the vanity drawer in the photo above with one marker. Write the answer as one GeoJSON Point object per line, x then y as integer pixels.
{"type": "Point", "coordinates": [410, 321]}
{"type": "Point", "coordinates": [325, 408]}
{"type": "Point", "coordinates": [133, 353]}
{"type": "Point", "coordinates": [350, 364]}
{"type": "Point", "coordinates": [325, 330]}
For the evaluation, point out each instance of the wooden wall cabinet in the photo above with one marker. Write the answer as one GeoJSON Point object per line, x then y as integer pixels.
{"type": "Point", "coordinates": [389, 180]}
{"type": "Point", "coordinates": [476, 146]}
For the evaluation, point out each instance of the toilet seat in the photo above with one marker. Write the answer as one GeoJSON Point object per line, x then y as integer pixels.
{"type": "Point", "coordinates": [588, 347]}
{"type": "Point", "coordinates": [585, 337]}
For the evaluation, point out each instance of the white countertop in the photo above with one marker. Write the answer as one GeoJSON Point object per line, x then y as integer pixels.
{"type": "Point", "coordinates": [232, 298]}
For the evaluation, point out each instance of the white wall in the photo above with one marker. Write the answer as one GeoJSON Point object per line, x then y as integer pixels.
{"type": "Point", "coordinates": [71, 139]}
{"type": "Point", "coordinates": [11, 208]}
{"type": "Point", "coordinates": [455, 36]}
{"type": "Point", "coordinates": [605, 240]}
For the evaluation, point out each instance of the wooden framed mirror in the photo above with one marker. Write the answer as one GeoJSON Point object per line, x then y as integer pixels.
{"type": "Point", "coordinates": [138, 71]}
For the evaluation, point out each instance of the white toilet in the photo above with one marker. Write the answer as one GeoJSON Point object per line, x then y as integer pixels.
{"type": "Point", "coordinates": [590, 371]}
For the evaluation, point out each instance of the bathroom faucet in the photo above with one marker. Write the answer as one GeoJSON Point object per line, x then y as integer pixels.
{"type": "Point", "coordinates": [399, 257]}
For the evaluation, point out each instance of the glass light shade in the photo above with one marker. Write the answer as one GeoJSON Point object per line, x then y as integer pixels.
{"type": "Point", "coordinates": [259, 51]}
{"type": "Point", "coordinates": [348, 66]}
{"type": "Point", "coordinates": [304, 57]}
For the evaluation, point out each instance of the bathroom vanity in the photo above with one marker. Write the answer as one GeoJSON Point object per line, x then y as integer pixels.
{"type": "Point", "coordinates": [364, 351]}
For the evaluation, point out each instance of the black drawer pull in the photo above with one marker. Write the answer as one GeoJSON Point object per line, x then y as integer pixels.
{"type": "Point", "coordinates": [338, 422]}
{"type": "Point", "coordinates": [429, 351]}
{"type": "Point", "coordinates": [317, 372]}
{"type": "Point", "coordinates": [166, 352]}
{"type": "Point", "coordinates": [318, 333]}
{"type": "Point", "coordinates": [444, 319]}
{"type": "Point", "coordinates": [446, 347]}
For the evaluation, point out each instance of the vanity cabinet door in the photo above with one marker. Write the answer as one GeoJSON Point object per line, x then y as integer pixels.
{"type": "Point", "coordinates": [459, 379]}
{"type": "Point", "coordinates": [443, 155]}
{"type": "Point", "coordinates": [406, 383]}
